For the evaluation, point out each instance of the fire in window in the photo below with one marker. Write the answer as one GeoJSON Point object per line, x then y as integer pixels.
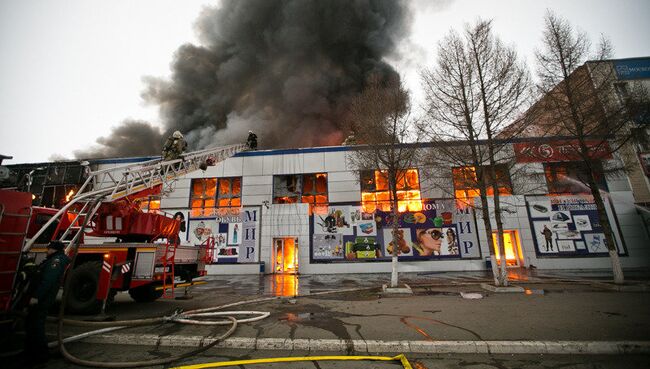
{"type": "Point", "coordinates": [210, 193]}
{"type": "Point", "coordinates": [229, 194]}
{"type": "Point", "coordinates": [306, 188]}
{"type": "Point", "coordinates": [572, 177]}
{"type": "Point", "coordinates": [466, 185]}
{"type": "Point", "coordinates": [375, 193]}
{"type": "Point", "coordinates": [151, 203]}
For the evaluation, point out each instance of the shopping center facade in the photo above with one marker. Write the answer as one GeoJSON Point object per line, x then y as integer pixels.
{"type": "Point", "coordinates": [309, 211]}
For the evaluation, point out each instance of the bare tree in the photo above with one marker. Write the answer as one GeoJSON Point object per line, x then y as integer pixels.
{"type": "Point", "coordinates": [381, 117]}
{"type": "Point", "coordinates": [476, 90]}
{"type": "Point", "coordinates": [579, 100]}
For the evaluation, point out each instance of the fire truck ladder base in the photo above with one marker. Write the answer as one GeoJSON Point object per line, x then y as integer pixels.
{"type": "Point", "coordinates": [168, 260]}
{"type": "Point", "coordinates": [112, 184]}
{"type": "Point", "coordinates": [9, 242]}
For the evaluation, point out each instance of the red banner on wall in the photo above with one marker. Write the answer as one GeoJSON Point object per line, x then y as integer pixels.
{"type": "Point", "coordinates": [566, 150]}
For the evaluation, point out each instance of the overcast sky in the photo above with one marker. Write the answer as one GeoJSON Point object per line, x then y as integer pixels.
{"type": "Point", "coordinates": [71, 70]}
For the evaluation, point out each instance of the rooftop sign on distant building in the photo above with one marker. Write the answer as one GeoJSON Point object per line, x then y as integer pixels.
{"type": "Point", "coordinates": [632, 69]}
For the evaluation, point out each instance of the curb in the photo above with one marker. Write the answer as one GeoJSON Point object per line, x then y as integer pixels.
{"type": "Point", "coordinates": [509, 289]}
{"type": "Point", "coordinates": [374, 346]}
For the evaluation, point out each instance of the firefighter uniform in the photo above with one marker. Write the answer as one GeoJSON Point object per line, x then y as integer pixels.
{"type": "Point", "coordinates": [251, 141]}
{"type": "Point", "coordinates": [174, 147]}
{"type": "Point", "coordinates": [50, 273]}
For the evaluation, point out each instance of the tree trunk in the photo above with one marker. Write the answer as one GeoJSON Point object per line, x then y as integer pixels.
{"type": "Point", "coordinates": [503, 272]}
{"type": "Point", "coordinates": [394, 280]}
{"type": "Point", "coordinates": [502, 279]}
{"type": "Point", "coordinates": [617, 271]}
{"type": "Point", "coordinates": [488, 231]}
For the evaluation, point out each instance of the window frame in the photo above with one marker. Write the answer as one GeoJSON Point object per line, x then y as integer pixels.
{"type": "Point", "coordinates": [299, 195]}
{"type": "Point", "coordinates": [230, 196]}
{"type": "Point", "coordinates": [374, 196]}
{"type": "Point", "coordinates": [572, 167]}
{"type": "Point", "coordinates": [469, 186]}
{"type": "Point", "coordinates": [206, 198]}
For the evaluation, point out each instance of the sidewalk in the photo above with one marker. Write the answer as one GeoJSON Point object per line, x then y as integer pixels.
{"type": "Point", "coordinates": [558, 313]}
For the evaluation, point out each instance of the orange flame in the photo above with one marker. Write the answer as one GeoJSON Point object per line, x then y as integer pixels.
{"type": "Point", "coordinates": [69, 196]}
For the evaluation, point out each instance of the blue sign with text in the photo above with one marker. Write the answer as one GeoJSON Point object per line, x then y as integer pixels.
{"type": "Point", "coordinates": [632, 69]}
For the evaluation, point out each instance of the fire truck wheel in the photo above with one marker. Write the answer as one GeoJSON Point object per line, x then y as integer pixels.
{"type": "Point", "coordinates": [146, 293]}
{"type": "Point", "coordinates": [84, 281]}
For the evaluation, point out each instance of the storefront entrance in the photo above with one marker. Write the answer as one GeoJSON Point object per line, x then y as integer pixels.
{"type": "Point", "coordinates": [285, 255]}
{"type": "Point", "coordinates": [512, 248]}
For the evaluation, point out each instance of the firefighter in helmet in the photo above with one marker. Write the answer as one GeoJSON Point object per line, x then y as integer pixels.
{"type": "Point", "coordinates": [174, 147]}
{"type": "Point", "coordinates": [48, 280]}
{"type": "Point", "coordinates": [252, 140]}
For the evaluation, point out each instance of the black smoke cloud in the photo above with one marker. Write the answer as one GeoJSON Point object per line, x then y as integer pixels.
{"type": "Point", "coordinates": [131, 138]}
{"type": "Point", "coordinates": [285, 69]}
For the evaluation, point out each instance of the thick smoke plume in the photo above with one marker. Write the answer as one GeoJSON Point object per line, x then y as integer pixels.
{"type": "Point", "coordinates": [131, 138]}
{"type": "Point", "coordinates": [284, 69]}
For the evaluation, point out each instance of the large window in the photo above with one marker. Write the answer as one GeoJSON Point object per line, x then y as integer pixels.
{"type": "Point", "coordinates": [376, 195]}
{"type": "Point", "coordinates": [294, 188]}
{"type": "Point", "coordinates": [150, 203]}
{"type": "Point", "coordinates": [466, 184]}
{"type": "Point", "coordinates": [229, 193]}
{"type": "Point", "coordinates": [571, 176]}
{"type": "Point", "coordinates": [208, 193]}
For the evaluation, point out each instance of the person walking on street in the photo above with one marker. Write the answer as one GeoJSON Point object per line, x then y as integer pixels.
{"type": "Point", "coordinates": [548, 236]}
{"type": "Point", "coordinates": [49, 276]}
{"type": "Point", "coordinates": [174, 147]}
{"type": "Point", "coordinates": [252, 140]}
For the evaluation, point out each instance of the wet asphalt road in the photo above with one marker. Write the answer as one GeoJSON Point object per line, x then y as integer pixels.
{"type": "Point", "coordinates": [567, 306]}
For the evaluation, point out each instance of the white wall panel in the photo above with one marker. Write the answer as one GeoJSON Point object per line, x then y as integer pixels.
{"type": "Point", "coordinates": [258, 180]}
{"type": "Point", "coordinates": [233, 167]}
{"type": "Point", "coordinates": [252, 165]}
{"type": "Point", "coordinates": [314, 162]}
{"type": "Point", "coordinates": [343, 176]}
{"type": "Point", "coordinates": [257, 190]}
{"type": "Point", "coordinates": [343, 186]}
{"type": "Point", "coordinates": [335, 161]}
{"type": "Point", "coordinates": [248, 200]}
{"type": "Point", "coordinates": [287, 164]}
{"type": "Point", "coordinates": [344, 196]}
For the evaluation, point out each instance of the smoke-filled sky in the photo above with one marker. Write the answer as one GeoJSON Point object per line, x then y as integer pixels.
{"type": "Point", "coordinates": [91, 78]}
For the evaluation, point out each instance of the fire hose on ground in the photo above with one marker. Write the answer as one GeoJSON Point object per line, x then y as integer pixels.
{"type": "Point", "coordinates": [184, 318]}
{"type": "Point", "coordinates": [188, 318]}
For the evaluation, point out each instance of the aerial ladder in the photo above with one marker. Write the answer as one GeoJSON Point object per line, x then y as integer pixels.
{"type": "Point", "coordinates": [106, 186]}
{"type": "Point", "coordinates": [112, 184]}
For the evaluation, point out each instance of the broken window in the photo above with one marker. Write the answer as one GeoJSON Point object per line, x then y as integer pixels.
{"type": "Point", "coordinates": [375, 193]}
{"type": "Point", "coordinates": [314, 190]}
{"type": "Point", "coordinates": [307, 188]}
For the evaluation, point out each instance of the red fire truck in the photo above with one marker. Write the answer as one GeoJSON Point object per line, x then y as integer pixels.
{"type": "Point", "coordinates": [119, 247]}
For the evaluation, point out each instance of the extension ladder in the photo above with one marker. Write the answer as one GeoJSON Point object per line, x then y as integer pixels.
{"type": "Point", "coordinates": [14, 220]}
{"type": "Point", "coordinates": [112, 184]}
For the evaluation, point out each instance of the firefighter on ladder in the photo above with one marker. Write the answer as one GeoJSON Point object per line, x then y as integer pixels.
{"type": "Point", "coordinates": [174, 146]}
{"type": "Point", "coordinates": [251, 141]}
{"type": "Point", "coordinates": [48, 280]}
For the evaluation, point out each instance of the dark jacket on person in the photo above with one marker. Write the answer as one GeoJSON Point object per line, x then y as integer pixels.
{"type": "Point", "coordinates": [50, 272]}
{"type": "Point", "coordinates": [252, 141]}
{"type": "Point", "coordinates": [173, 148]}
